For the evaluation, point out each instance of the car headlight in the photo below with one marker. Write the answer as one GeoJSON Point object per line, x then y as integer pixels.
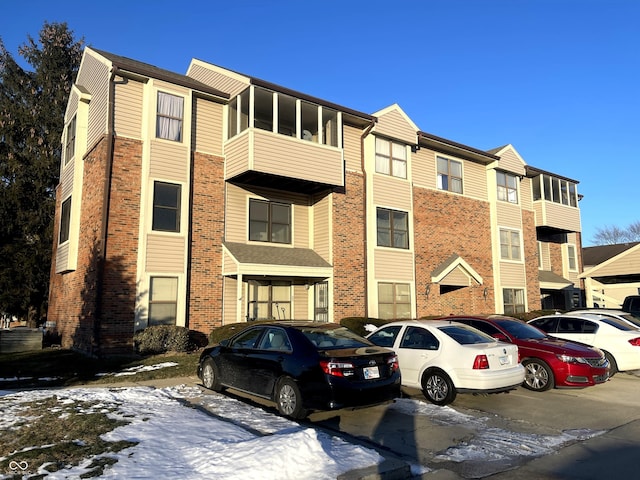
{"type": "Point", "coordinates": [570, 359]}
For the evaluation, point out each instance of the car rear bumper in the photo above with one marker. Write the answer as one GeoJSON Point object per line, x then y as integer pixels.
{"type": "Point", "coordinates": [489, 381]}
{"type": "Point", "coordinates": [342, 393]}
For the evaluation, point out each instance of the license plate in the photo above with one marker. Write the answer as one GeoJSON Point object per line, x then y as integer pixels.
{"type": "Point", "coordinates": [371, 372]}
{"type": "Point", "coordinates": [504, 360]}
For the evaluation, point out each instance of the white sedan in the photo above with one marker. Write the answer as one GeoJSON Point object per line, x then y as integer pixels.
{"type": "Point", "coordinates": [444, 358]}
{"type": "Point", "coordinates": [619, 341]}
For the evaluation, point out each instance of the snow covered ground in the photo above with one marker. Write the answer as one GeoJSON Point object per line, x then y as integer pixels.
{"type": "Point", "coordinates": [237, 441]}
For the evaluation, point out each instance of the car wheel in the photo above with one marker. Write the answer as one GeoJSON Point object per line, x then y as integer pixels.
{"type": "Point", "coordinates": [613, 366]}
{"type": "Point", "coordinates": [288, 399]}
{"type": "Point", "coordinates": [438, 388]}
{"type": "Point", "coordinates": [538, 376]}
{"type": "Point", "coordinates": [210, 376]}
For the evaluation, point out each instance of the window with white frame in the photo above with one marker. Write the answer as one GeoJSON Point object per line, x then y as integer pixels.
{"type": "Point", "coordinates": [391, 158]}
{"type": "Point", "coordinates": [554, 189]}
{"type": "Point", "coordinates": [70, 140]}
{"type": "Point", "coordinates": [169, 117]}
{"type": "Point", "coordinates": [392, 228]}
{"type": "Point", "coordinates": [166, 207]}
{"type": "Point", "coordinates": [507, 187]}
{"type": "Point", "coordinates": [513, 300]}
{"type": "Point", "coordinates": [449, 175]}
{"type": "Point", "coordinates": [572, 261]}
{"type": "Point", "coordinates": [394, 300]}
{"type": "Point", "coordinates": [65, 221]}
{"type": "Point", "coordinates": [510, 244]}
{"type": "Point", "coordinates": [269, 221]}
{"type": "Point", "coordinates": [163, 300]}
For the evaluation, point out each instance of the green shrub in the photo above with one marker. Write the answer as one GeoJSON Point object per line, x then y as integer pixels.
{"type": "Point", "coordinates": [162, 339]}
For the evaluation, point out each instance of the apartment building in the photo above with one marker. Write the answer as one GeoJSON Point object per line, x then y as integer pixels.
{"type": "Point", "coordinates": [215, 197]}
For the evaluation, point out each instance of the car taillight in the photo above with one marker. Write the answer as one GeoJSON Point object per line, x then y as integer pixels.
{"type": "Point", "coordinates": [635, 342]}
{"type": "Point", "coordinates": [393, 362]}
{"type": "Point", "coordinates": [337, 369]}
{"type": "Point", "coordinates": [481, 362]}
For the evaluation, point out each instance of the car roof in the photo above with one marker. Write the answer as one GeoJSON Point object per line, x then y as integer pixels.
{"type": "Point", "coordinates": [601, 311]}
{"type": "Point", "coordinates": [437, 322]}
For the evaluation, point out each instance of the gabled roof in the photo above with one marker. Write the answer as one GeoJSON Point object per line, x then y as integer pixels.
{"type": "Point", "coordinates": [592, 256]}
{"type": "Point", "coordinates": [452, 270]}
{"type": "Point", "coordinates": [147, 70]}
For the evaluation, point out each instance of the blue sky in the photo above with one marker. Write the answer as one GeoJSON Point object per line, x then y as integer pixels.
{"type": "Point", "coordinates": [557, 79]}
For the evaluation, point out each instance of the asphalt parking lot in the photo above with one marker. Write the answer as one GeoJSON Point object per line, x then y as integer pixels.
{"type": "Point", "coordinates": [601, 424]}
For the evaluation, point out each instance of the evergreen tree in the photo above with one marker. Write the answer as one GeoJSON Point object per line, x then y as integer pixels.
{"type": "Point", "coordinates": [32, 106]}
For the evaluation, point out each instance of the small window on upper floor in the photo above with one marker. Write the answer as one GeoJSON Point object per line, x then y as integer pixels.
{"type": "Point", "coordinates": [70, 140]}
{"type": "Point", "coordinates": [449, 175]}
{"type": "Point", "coordinates": [65, 221]}
{"type": "Point", "coordinates": [510, 244]}
{"type": "Point", "coordinates": [169, 117]}
{"type": "Point", "coordinates": [391, 158]}
{"type": "Point", "coordinates": [166, 207]}
{"type": "Point", "coordinates": [507, 187]}
{"type": "Point", "coordinates": [269, 221]}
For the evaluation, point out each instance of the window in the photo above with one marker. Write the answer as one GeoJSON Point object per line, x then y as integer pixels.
{"type": "Point", "coordinates": [169, 118]}
{"type": "Point", "coordinates": [269, 300]}
{"type": "Point", "coordinates": [513, 300]}
{"type": "Point", "coordinates": [393, 228]}
{"type": "Point", "coordinates": [166, 207]}
{"type": "Point", "coordinates": [555, 190]}
{"type": "Point", "coordinates": [417, 338]}
{"type": "Point", "coordinates": [394, 300]}
{"type": "Point", "coordinates": [449, 175]}
{"type": "Point", "coordinates": [391, 158]}
{"type": "Point", "coordinates": [509, 244]}
{"type": "Point", "coordinates": [507, 187]}
{"type": "Point", "coordinates": [163, 301]}
{"type": "Point", "coordinates": [65, 220]}
{"type": "Point", "coordinates": [70, 141]}
{"type": "Point", "coordinates": [571, 257]}
{"type": "Point", "coordinates": [269, 221]}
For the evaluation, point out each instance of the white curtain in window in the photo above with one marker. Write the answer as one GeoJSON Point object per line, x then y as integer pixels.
{"type": "Point", "coordinates": [170, 110]}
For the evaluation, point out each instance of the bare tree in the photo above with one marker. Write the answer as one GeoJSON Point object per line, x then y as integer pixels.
{"type": "Point", "coordinates": [611, 235]}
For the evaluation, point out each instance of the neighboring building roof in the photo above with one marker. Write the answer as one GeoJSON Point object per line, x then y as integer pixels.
{"type": "Point", "coordinates": [271, 255]}
{"type": "Point", "coordinates": [552, 281]}
{"type": "Point", "coordinates": [152, 71]}
{"type": "Point", "coordinates": [592, 256]}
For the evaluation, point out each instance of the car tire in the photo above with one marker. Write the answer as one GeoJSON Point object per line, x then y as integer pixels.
{"type": "Point", "coordinates": [438, 388]}
{"type": "Point", "coordinates": [210, 376]}
{"type": "Point", "coordinates": [613, 365]}
{"type": "Point", "coordinates": [538, 375]}
{"type": "Point", "coordinates": [289, 399]}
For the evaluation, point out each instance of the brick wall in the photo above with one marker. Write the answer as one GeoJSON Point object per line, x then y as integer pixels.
{"type": "Point", "coordinates": [444, 225]}
{"type": "Point", "coordinates": [530, 241]}
{"type": "Point", "coordinates": [207, 232]}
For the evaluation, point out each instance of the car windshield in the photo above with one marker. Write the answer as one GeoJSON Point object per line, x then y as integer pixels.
{"type": "Point", "coordinates": [335, 338]}
{"type": "Point", "coordinates": [465, 335]}
{"type": "Point", "coordinates": [521, 330]}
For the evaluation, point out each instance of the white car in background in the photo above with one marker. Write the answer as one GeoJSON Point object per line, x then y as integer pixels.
{"type": "Point", "coordinates": [619, 341]}
{"type": "Point", "coordinates": [612, 313]}
{"type": "Point", "coordinates": [444, 358]}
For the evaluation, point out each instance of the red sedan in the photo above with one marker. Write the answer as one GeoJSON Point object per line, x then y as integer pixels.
{"type": "Point", "coordinates": [549, 362]}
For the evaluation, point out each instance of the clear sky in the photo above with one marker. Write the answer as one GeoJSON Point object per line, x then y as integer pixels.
{"type": "Point", "coordinates": [557, 79]}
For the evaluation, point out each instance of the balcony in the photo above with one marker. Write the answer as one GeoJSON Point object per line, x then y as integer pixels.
{"type": "Point", "coordinates": [557, 217]}
{"type": "Point", "coordinates": [264, 158]}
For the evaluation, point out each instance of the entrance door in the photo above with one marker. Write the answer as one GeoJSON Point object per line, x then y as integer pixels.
{"type": "Point", "coordinates": [321, 302]}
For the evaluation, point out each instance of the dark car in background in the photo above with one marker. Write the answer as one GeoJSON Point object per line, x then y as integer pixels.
{"type": "Point", "coordinates": [549, 362]}
{"type": "Point", "coordinates": [303, 366]}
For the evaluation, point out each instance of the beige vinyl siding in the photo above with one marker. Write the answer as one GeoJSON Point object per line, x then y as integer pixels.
{"type": "Point", "coordinates": [552, 214]}
{"type": "Point", "coordinates": [512, 274]}
{"type": "Point", "coordinates": [392, 192]}
{"type": "Point", "coordinates": [208, 126]}
{"type": "Point", "coordinates": [128, 109]}
{"type": "Point", "coordinates": [395, 125]}
{"type": "Point", "coordinates": [546, 256]}
{"type": "Point", "coordinates": [66, 179]}
{"type": "Point", "coordinates": [229, 266]}
{"type": "Point", "coordinates": [510, 162]}
{"type": "Point", "coordinates": [62, 257]}
{"type": "Point", "coordinates": [300, 231]}
{"type": "Point", "coordinates": [72, 106]}
{"type": "Point", "coordinates": [526, 194]}
{"type": "Point", "coordinates": [165, 254]}
{"type": "Point", "coordinates": [352, 148]}
{"type": "Point", "coordinates": [236, 223]}
{"type": "Point", "coordinates": [230, 304]}
{"type": "Point", "coordinates": [300, 302]}
{"type": "Point", "coordinates": [94, 77]}
{"type": "Point", "coordinates": [217, 77]}
{"type": "Point", "coordinates": [474, 179]}
{"type": "Point", "coordinates": [423, 168]}
{"type": "Point", "coordinates": [509, 215]}
{"type": "Point", "coordinates": [322, 227]}
{"type": "Point", "coordinates": [627, 264]}
{"type": "Point", "coordinates": [457, 277]}
{"type": "Point", "coordinates": [169, 161]}
{"type": "Point", "coordinates": [237, 152]}
{"type": "Point", "coordinates": [393, 264]}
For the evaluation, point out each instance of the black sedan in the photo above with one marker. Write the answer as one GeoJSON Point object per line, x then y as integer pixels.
{"type": "Point", "coordinates": [303, 366]}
